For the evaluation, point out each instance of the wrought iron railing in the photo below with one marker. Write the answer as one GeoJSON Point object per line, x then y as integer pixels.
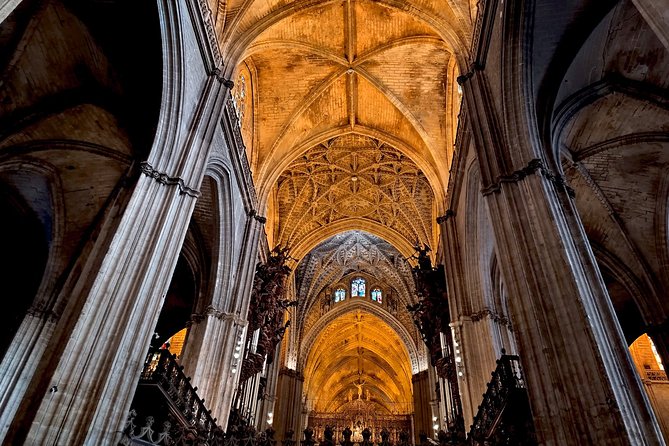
{"type": "Point", "coordinates": [181, 410]}
{"type": "Point", "coordinates": [656, 375]}
{"type": "Point", "coordinates": [504, 411]}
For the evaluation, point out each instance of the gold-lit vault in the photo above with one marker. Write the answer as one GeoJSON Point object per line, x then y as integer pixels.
{"type": "Point", "coordinates": [356, 349]}
{"type": "Point", "coordinates": [353, 177]}
{"type": "Point", "coordinates": [312, 74]}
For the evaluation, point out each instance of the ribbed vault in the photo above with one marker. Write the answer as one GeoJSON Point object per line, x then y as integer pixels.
{"type": "Point", "coordinates": [348, 252]}
{"type": "Point", "coordinates": [317, 77]}
{"type": "Point", "coordinates": [333, 264]}
{"type": "Point", "coordinates": [358, 348]}
{"type": "Point", "coordinates": [353, 177]}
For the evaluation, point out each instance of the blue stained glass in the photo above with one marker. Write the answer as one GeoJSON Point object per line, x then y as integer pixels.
{"type": "Point", "coordinates": [358, 287]}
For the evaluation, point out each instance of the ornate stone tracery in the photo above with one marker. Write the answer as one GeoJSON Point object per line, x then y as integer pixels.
{"type": "Point", "coordinates": [353, 176]}
{"type": "Point", "coordinates": [348, 252]}
{"type": "Point", "coordinates": [344, 256]}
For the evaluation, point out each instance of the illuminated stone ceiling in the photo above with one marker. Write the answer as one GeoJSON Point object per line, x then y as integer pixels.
{"type": "Point", "coordinates": [314, 77]}
{"type": "Point", "coordinates": [355, 348]}
{"type": "Point", "coordinates": [348, 110]}
{"type": "Point", "coordinates": [337, 260]}
{"type": "Point", "coordinates": [358, 178]}
{"type": "Point", "coordinates": [348, 252]}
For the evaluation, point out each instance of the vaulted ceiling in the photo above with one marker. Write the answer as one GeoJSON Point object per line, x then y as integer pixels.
{"type": "Point", "coordinates": [336, 261]}
{"type": "Point", "coordinates": [355, 348]}
{"type": "Point", "coordinates": [348, 111]}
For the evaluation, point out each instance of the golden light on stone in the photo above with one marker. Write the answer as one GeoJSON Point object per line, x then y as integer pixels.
{"type": "Point", "coordinates": [358, 348]}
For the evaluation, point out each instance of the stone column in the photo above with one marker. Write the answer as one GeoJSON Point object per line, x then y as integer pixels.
{"type": "Point", "coordinates": [265, 414]}
{"type": "Point", "coordinates": [209, 359]}
{"type": "Point", "coordinates": [98, 370]}
{"type": "Point", "coordinates": [20, 363]}
{"type": "Point", "coordinates": [288, 410]}
{"type": "Point", "coordinates": [209, 355]}
{"type": "Point", "coordinates": [6, 8]}
{"type": "Point", "coordinates": [581, 383]}
{"type": "Point", "coordinates": [475, 341]}
{"type": "Point", "coordinates": [422, 396]}
{"type": "Point", "coordinates": [115, 304]}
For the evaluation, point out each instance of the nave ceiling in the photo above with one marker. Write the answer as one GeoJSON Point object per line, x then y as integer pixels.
{"type": "Point", "coordinates": [358, 348]}
{"type": "Point", "coordinates": [333, 264]}
{"type": "Point", "coordinates": [348, 111]}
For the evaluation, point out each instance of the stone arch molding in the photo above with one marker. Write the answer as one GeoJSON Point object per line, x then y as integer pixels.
{"type": "Point", "coordinates": [417, 354]}
{"type": "Point", "coordinates": [46, 303]}
{"type": "Point", "coordinates": [219, 172]}
{"type": "Point", "coordinates": [338, 257]}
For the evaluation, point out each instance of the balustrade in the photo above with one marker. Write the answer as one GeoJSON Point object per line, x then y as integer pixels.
{"type": "Point", "coordinates": [165, 393]}
{"type": "Point", "coordinates": [656, 375]}
{"type": "Point", "coordinates": [504, 415]}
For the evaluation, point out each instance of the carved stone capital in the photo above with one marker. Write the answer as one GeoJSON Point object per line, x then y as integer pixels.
{"type": "Point", "coordinates": [444, 218]}
{"type": "Point", "coordinates": [492, 315]}
{"type": "Point", "coordinates": [213, 311]}
{"type": "Point", "coordinates": [218, 73]}
{"type": "Point", "coordinates": [39, 311]}
{"type": "Point", "coordinates": [253, 213]}
{"type": "Point", "coordinates": [468, 75]}
{"type": "Point", "coordinates": [533, 167]}
{"type": "Point", "coordinates": [163, 178]}
{"type": "Point", "coordinates": [208, 312]}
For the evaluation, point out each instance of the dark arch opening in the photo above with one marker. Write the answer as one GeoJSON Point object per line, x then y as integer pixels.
{"type": "Point", "coordinates": [626, 309]}
{"type": "Point", "coordinates": [179, 303]}
{"type": "Point", "coordinates": [25, 249]}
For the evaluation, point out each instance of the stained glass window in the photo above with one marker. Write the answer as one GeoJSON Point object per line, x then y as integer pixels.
{"type": "Point", "coordinates": [358, 287]}
{"type": "Point", "coordinates": [340, 294]}
{"type": "Point", "coordinates": [377, 296]}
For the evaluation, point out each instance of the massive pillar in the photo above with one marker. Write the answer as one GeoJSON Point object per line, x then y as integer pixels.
{"type": "Point", "coordinates": [97, 350]}
{"type": "Point", "coordinates": [21, 361]}
{"type": "Point", "coordinates": [422, 397]}
{"type": "Point", "coordinates": [472, 335]}
{"type": "Point", "coordinates": [581, 385]}
{"type": "Point", "coordinates": [288, 410]}
{"type": "Point", "coordinates": [213, 354]}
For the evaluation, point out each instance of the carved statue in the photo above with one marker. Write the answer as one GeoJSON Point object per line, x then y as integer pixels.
{"type": "Point", "coordinates": [366, 435]}
{"type": "Point", "coordinates": [267, 310]}
{"type": "Point", "coordinates": [329, 433]}
{"type": "Point", "coordinates": [385, 435]}
{"type": "Point", "coordinates": [404, 439]}
{"type": "Point", "coordinates": [288, 438]}
{"type": "Point", "coordinates": [424, 262]}
{"type": "Point", "coordinates": [359, 387]}
{"type": "Point", "coordinates": [308, 436]}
